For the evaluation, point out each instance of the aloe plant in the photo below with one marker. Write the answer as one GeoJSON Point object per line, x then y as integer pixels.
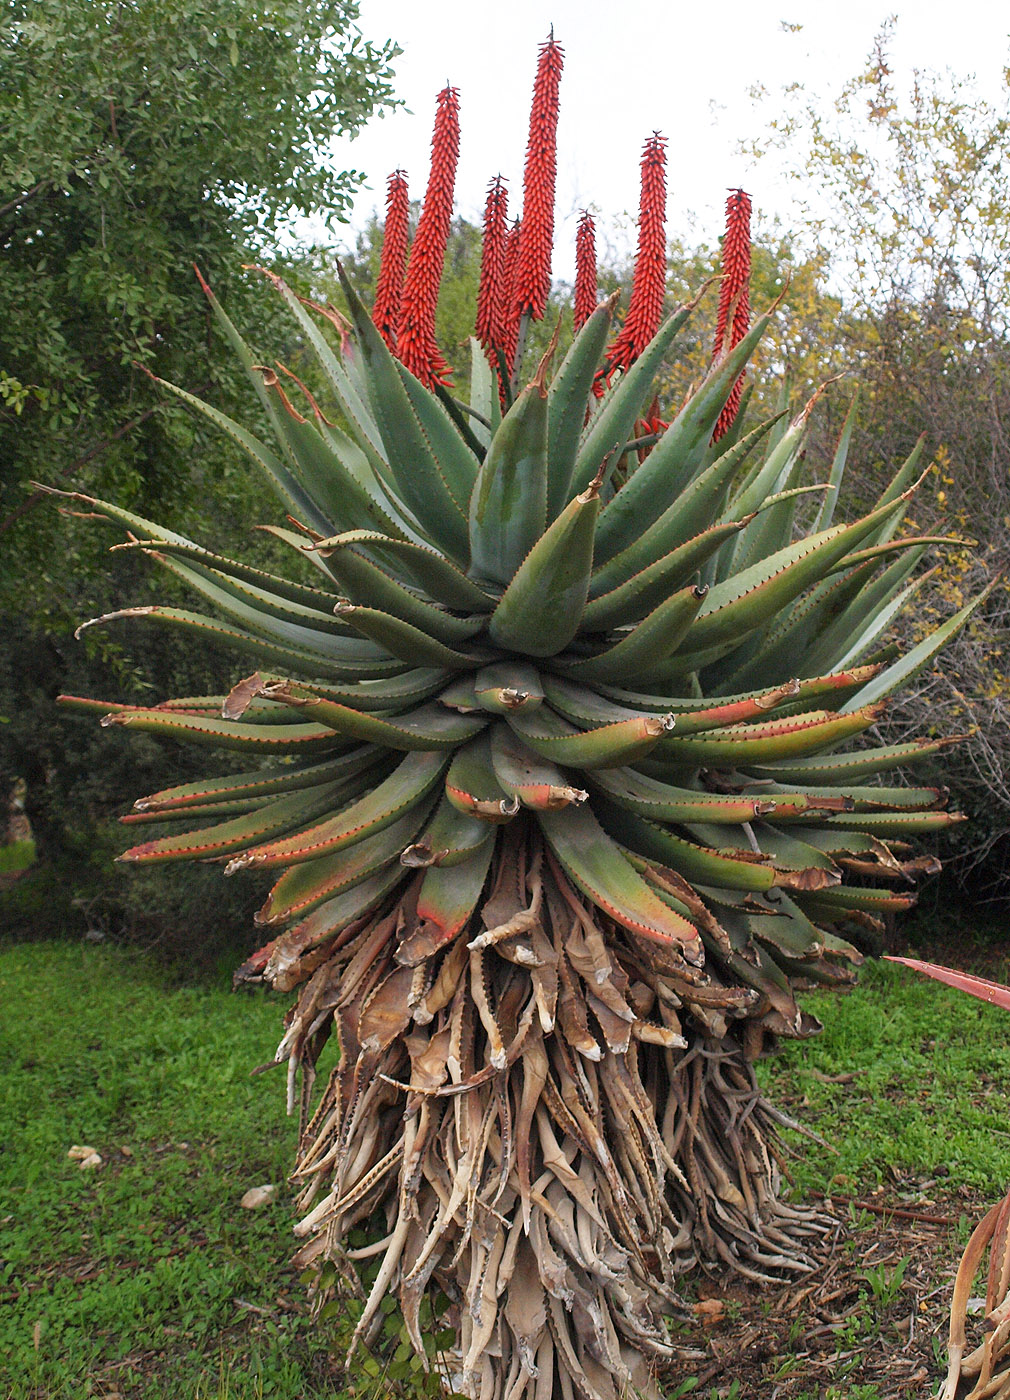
{"type": "Point", "coordinates": [564, 758]}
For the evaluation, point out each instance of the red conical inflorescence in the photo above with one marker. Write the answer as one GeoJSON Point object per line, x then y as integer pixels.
{"type": "Point", "coordinates": [533, 277]}
{"type": "Point", "coordinates": [415, 340]}
{"type": "Point", "coordinates": [648, 286]}
{"type": "Point", "coordinates": [510, 327]}
{"type": "Point", "coordinates": [585, 270]}
{"type": "Point", "coordinates": [734, 296]}
{"type": "Point", "coordinates": [393, 264]}
{"type": "Point", "coordinates": [493, 295]}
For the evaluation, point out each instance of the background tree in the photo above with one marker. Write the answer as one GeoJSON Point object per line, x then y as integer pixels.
{"type": "Point", "coordinates": [136, 138]}
{"type": "Point", "coordinates": [902, 197]}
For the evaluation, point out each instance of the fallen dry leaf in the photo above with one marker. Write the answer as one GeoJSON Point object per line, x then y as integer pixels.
{"type": "Point", "coordinates": [258, 1196]}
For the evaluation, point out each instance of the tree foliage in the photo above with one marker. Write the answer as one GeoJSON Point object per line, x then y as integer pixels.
{"type": "Point", "coordinates": [902, 193]}
{"type": "Point", "coordinates": [138, 137]}
{"type": "Point", "coordinates": [135, 139]}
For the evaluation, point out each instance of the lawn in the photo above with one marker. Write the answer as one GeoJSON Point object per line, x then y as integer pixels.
{"type": "Point", "coordinates": [145, 1278]}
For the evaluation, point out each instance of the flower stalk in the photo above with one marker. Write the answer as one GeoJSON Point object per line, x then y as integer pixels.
{"type": "Point", "coordinates": [393, 263]}
{"type": "Point", "coordinates": [416, 346]}
{"type": "Point", "coordinates": [733, 318]}
{"type": "Point", "coordinates": [586, 290]}
{"type": "Point", "coordinates": [533, 274]}
{"type": "Point", "coordinates": [648, 286]}
{"type": "Point", "coordinates": [493, 299]}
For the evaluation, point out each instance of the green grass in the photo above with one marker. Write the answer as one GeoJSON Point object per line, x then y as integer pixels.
{"type": "Point", "coordinates": [19, 855]}
{"type": "Point", "coordinates": [129, 1278]}
{"type": "Point", "coordinates": [928, 1098]}
{"type": "Point", "coordinates": [137, 1279]}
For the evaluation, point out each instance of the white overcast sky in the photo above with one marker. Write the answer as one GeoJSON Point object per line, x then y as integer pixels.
{"type": "Point", "coordinates": [631, 67]}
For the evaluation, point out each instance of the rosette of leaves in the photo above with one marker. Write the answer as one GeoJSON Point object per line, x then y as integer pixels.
{"type": "Point", "coordinates": [564, 760]}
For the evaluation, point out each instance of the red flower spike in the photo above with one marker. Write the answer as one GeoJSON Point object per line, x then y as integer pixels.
{"type": "Point", "coordinates": [393, 262]}
{"type": "Point", "coordinates": [533, 279]}
{"type": "Point", "coordinates": [493, 295]}
{"type": "Point", "coordinates": [648, 285]}
{"type": "Point", "coordinates": [415, 338]}
{"type": "Point", "coordinates": [510, 326]}
{"type": "Point", "coordinates": [585, 270]}
{"type": "Point", "coordinates": [734, 296]}
{"type": "Point", "coordinates": [648, 426]}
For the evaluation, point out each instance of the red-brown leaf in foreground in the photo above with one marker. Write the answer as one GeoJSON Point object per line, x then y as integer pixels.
{"type": "Point", "coordinates": [981, 987]}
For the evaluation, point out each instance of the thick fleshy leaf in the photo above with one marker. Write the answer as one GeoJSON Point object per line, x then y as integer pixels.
{"type": "Point", "coordinates": [508, 508]}
{"type": "Point", "coordinates": [508, 685]}
{"type": "Point", "coordinates": [430, 727]}
{"type": "Point", "coordinates": [435, 575]}
{"type": "Point", "coordinates": [744, 745]}
{"type": "Point", "coordinates": [541, 609]}
{"type": "Point", "coordinates": [204, 811]}
{"type": "Point", "coordinates": [344, 658]}
{"type": "Point", "coordinates": [267, 614]}
{"type": "Point", "coordinates": [853, 767]}
{"type": "Point", "coordinates": [406, 787]}
{"type": "Point", "coordinates": [663, 802]}
{"type": "Point", "coordinates": [835, 902]}
{"type": "Point", "coordinates": [281, 478]}
{"type": "Point", "coordinates": [864, 634]}
{"type": "Point", "coordinates": [456, 462]}
{"type": "Point", "coordinates": [614, 425]}
{"type": "Point", "coordinates": [690, 515]}
{"type": "Point", "coordinates": [701, 864]}
{"type": "Point", "coordinates": [450, 838]}
{"type": "Point", "coordinates": [535, 781]}
{"type": "Point", "coordinates": [484, 400]}
{"type": "Point", "coordinates": [445, 903]}
{"type": "Point", "coordinates": [864, 799]}
{"type": "Point", "coordinates": [261, 784]}
{"type": "Point", "coordinates": [602, 872]}
{"type": "Point", "coordinates": [318, 456]}
{"type": "Point", "coordinates": [317, 600]}
{"type": "Point", "coordinates": [404, 640]}
{"type": "Point", "coordinates": [896, 824]}
{"type": "Point", "coordinates": [608, 746]}
{"type": "Point", "coordinates": [472, 785]}
{"type": "Point", "coordinates": [919, 657]}
{"type": "Point", "coordinates": [642, 651]}
{"type": "Point", "coordinates": [993, 992]}
{"type": "Point", "coordinates": [230, 734]}
{"type": "Point", "coordinates": [365, 583]}
{"type": "Point", "coordinates": [638, 595]}
{"type": "Point", "coordinates": [734, 608]}
{"type": "Point", "coordinates": [567, 400]}
{"type": "Point", "coordinates": [419, 477]}
{"type": "Point", "coordinates": [332, 918]}
{"type": "Point", "coordinates": [394, 694]}
{"type": "Point", "coordinates": [827, 511]}
{"type": "Point", "coordinates": [304, 887]}
{"type": "Point", "coordinates": [680, 451]}
{"type": "Point", "coordinates": [273, 818]}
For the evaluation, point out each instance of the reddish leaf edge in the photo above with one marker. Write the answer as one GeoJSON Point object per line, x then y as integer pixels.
{"type": "Point", "coordinates": [981, 987]}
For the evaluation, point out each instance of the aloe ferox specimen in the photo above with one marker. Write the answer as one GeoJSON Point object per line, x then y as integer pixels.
{"type": "Point", "coordinates": [565, 762]}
